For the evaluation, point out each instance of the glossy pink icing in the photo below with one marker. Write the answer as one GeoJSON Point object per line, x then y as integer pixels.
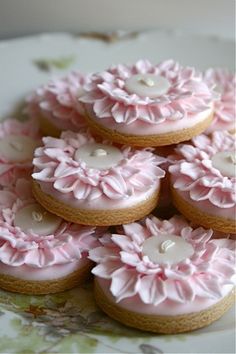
{"type": "Point", "coordinates": [206, 206]}
{"type": "Point", "coordinates": [193, 173]}
{"type": "Point", "coordinates": [9, 171]}
{"type": "Point", "coordinates": [144, 128]}
{"type": "Point", "coordinates": [51, 272]}
{"type": "Point", "coordinates": [57, 170]}
{"type": "Point", "coordinates": [166, 307]}
{"type": "Point", "coordinates": [107, 98]}
{"type": "Point", "coordinates": [131, 275]}
{"type": "Point", "coordinates": [225, 82]}
{"type": "Point", "coordinates": [58, 101]}
{"type": "Point", "coordinates": [70, 243]}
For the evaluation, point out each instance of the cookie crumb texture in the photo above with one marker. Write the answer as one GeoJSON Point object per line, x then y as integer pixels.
{"type": "Point", "coordinates": [163, 324]}
{"type": "Point", "coordinates": [34, 287]}
{"type": "Point", "coordinates": [150, 140]}
{"type": "Point", "coordinates": [202, 218]}
{"type": "Point", "coordinates": [95, 217]}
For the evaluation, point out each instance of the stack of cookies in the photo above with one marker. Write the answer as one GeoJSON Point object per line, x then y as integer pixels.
{"type": "Point", "coordinates": [116, 147]}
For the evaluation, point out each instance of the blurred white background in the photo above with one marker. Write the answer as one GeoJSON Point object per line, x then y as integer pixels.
{"type": "Point", "coordinates": [24, 17]}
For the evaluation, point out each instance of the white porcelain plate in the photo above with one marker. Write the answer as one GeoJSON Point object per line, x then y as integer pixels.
{"type": "Point", "coordinates": [70, 322]}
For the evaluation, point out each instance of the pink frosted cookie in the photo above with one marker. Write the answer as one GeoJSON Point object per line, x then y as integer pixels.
{"type": "Point", "coordinates": [18, 141]}
{"type": "Point", "coordinates": [95, 184]}
{"type": "Point", "coordinates": [225, 84]}
{"type": "Point", "coordinates": [148, 105]}
{"type": "Point", "coordinates": [39, 252]}
{"type": "Point", "coordinates": [203, 180]}
{"type": "Point", "coordinates": [56, 104]}
{"type": "Point", "coordinates": [165, 207]}
{"type": "Point", "coordinates": [164, 276]}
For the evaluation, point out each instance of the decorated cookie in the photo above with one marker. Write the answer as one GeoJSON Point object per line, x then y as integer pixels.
{"type": "Point", "coordinates": [165, 208]}
{"type": "Point", "coordinates": [148, 105]}
{"type": "Point", "coordinates": [164, 276]}
{"type": "Point", "coordinates": [225, 84]}
{"type": "Point", "coordinates": [56, 104]}
{"type": "Point", "coordinates": [40, 253]}
{"type": "Point", "coordinates": [18, 141]}
{"type": "Point", "coordinates": [203, 181]}
{"type": "Point", "coordinates": [95, 183]}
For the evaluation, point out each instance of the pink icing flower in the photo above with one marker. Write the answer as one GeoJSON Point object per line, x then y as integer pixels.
{"type": "Point", "coordinates": [55, 164]}
{"type": "Point", "coordinates": [131, 272]}
{"type": "Point", "coordinates": [194, 172]}
{"type": "Point", "coordinates": [22, 190]}
{"type": "Point", "coordinates": [58, 101]}
{"type": "Point", "coordinates": [107, 95]}
{"type": "Point", "coordinates": [70, 242]}
{"type": "Point", "coordinates": [225, 82]}
{"type": "Point", "coordinates": [10, 171]}
{"type": "Point", "coordinates": [15, 127]}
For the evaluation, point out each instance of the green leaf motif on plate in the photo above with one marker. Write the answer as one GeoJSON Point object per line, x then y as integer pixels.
{"type": "Point", "coordinates": [47, 64]}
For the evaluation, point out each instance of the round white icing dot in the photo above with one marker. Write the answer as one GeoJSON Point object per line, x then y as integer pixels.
{"type": "Point", "coordinates": [168, 249]}
{"type": "Point", "coordinates": [147, 85]}
{"type": "Point", "coordinates": [99, 156]}
{"type": "Point", "coordinates": [225, 162]}
{"type": "Point", "coordinates": [35, 218]}
{"type": "Point", "coordinates": [18, 148]}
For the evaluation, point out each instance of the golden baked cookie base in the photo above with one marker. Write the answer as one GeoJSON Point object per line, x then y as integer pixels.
{"type": "Point", "coordinates": [95, 217]}
{"type": "Point", "coordinates": [201, 217]}
{"type": "Point", "coordinates": [34, 287]}
{"type": "Point", "coordinates": [47, 128]}
{"type": "Point", "coordinates": [149, 140]}
{"type": "Point", "coordinates": [163, 324]}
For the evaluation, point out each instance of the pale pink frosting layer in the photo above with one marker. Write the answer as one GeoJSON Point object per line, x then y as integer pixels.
{"type": "Point", "coordinates": [58, 102]}
{"type": "Point", "coordinates": [206, 206]}
{"type": "Point", "coordinates": [15, 127]}
{"type": "Point", "coordinates": [144, 128]}
{"type": "Point", "coordinates": [70, 243]}
{"type": "Point", "coordinates": [131, 273]}
{"type": "Point", "coordinates": [55, 166]}
{"type": "Point", "coordinates": [11, 171]}
{"type": "Point", "coordinates": [107, 97]}
{"type": "Point", "coordinates": [165, 308]}
{"type": "Point", "coordinates": [225, 82]}
{"type": "Point", "coordinates": [192, 170]}
{"type": "Point", "coordinates": [51, 272]}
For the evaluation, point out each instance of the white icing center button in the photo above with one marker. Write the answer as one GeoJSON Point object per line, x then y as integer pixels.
{"type": "Point", "coordinates": [16, 145]}
{"type": "Point", "coordinates": [99, 152]}
{"type": "Point", "coordinates": [99, 156]}
{"type": "Point", "coordinates": [35, 218]}
{"type": "Point", "coordinates": [166, 245]}
{"type": "Point", "coordinates": [232, 158]}
{"type": "Point", "coordinates": [147, 82]}
{"type": "Point", "coordinates": [168, 249]}
{"type": "Point", "coordinates": [147, 85]}
{"type": "Point", "coordinates": [18, 148]}
{"type": "Point", "coordinates": [225, 162]}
